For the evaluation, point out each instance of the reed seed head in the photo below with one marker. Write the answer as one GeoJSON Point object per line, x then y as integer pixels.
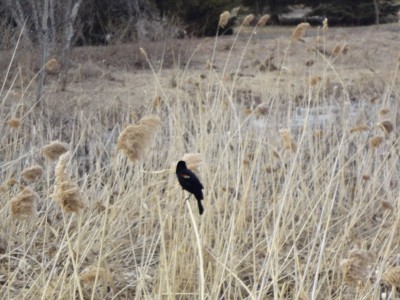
{"type": "Point", "coordinates": [135, 138]}
{"type": "Point", "coordinates": [359, 128]}
{"type": "Point", "coordinates": [358, 267]}
{"type": "Point", "coordinates": [66, 192]}
{"type": "Point", "coordinates": [31, 174]}
{"type": "Point", "coordinates": [386, 126]}
{"type": "Point", "coordinates": [88, 276]}
{"type": "Point", "coordinates": [247, 20]}
{"type": "Point", "coordinates": [193, 161]}
{"type": "Point", "coordinates": [392, 277]}
{"type": "Point", "coordinates": [287, 140]}
{"type": "Point", "coordinates": [13, 123]}
{"type": "Point", "coordinates": [224, 18]}
{"type": "Point", "coordinates": [300, 30]}
{"type": "Point", "coordinates": [52, 66]}
{"type": "Point", "coordinates": [325, 24]}
{"type": "Point", "coordinates": [376, 141]}
{"type": "Point", "coordinates": [54, 150]}
{"type": "Point", "coordinates": [263, 20]}
{"type": "Point", "coordinates": [23, 205]}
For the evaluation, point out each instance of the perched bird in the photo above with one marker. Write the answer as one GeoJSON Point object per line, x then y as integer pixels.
{"type": "Point", "coordinates": [190, 183]}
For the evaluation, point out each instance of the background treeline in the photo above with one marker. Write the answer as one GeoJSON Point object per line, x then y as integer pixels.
{"type": "Point", "coordinates": [91, 22]}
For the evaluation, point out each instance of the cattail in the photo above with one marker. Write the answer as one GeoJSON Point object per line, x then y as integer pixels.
{"type": "Point", "coordinates": [247, 20]}
{"type": "Point", "coordinates": [384, 111]}
{"type": "Point", "coordinates": [314, 80]}
{"type": "Point", "coordinates": [392, 277]}
{"type": "Point", "coordinates": [386, 126]}
{"type": "Point", "coordinates": [300, 30]}
{"type": "Point", "coordinates": [263, 20]}
{"type": "Point", "coordinates": [224, 18]}
{"type": "Point", "coordinates": [376, 141]}
{"type": "Point", "coordinates": [309, 63]}
{"type": "Point", "coordinates": [54, 150]}
{"type": "Point", "coordinates": [193, 161]}
{"type": "Point", "coordinates": [262, 109]}
{"type": "Point", "coordinates": [14, 122]}
{"type": "Point", "coordinates": [337, 50]}
{"type": "Point", "coordinates": [135, 138]}
{"type": "Point", "coordinates": [66, 192]}
{"type": "Point", "coordinates": [52, 66]}
{"type": "Point", "coordinates": [359, 128]}
{"type": "Point", "coordinates": [386, 205]}
{"type": "Point", "coordinates": [357, 268]}
{"type": "Point", "coordinates": [32, 173]}
{"type": "Point", "coordinates": [23, 205]}
{"type": "Point", "coordinates": [325, 24]}
{"type": "Point", "coordinates": [287, 140]}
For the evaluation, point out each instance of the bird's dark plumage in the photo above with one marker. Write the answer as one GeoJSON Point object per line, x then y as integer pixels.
{"type": "Point", "coordinates": [189, 182]}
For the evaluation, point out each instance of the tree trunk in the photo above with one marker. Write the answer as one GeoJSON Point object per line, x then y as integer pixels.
{"type": "Point", "coordinates": [44, 40]}
{"type": "Point", "coordinates": [376, 8]}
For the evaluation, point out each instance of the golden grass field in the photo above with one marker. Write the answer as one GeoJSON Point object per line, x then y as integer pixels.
{"type": "Point", "coordinates": [295, 142]}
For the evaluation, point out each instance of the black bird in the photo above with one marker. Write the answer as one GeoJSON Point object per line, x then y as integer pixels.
{"type": "Point", "coordinates": [190, 183]}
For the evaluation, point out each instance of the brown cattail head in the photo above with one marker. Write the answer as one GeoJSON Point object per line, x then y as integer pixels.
{"type": "Point", "coordinates": [300, 30]}
{"type": "Point", "coordinates": [135, 138]}
{"type": "Point", "coordinates": [54, 150]}
{"type": "Point", "coordinates": [66, 192]}
{"type": "Point", "coordinates": [358, 267]}
{"type": "Point", "coordinates": [287, 140]}
{"type": "Point", "coordinates": [224, 18]}
{"type": "Point", "coordinates": [52, 66]}
{"type": "Point", "coordinates": [376, 141]}
{"type": "Point", "coordinates": [386, 126]}
{"type": "Point", "coordinates": [392, 277]}
{"type": "Point", "coordinates": [32, 173]}
{"type": "Point", "coordinates": [247, 20]}
{"type": "Point", "coordinates": [263, 20]}
{"type": "Point", "coordinates": [13, 123]}
{"type": "Point", "coordinates": [23, 205]}
{"type": "Point", "coordinates": [314, 80]}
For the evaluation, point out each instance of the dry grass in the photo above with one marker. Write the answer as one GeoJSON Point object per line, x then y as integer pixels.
{"type": "Point", "coordinates": [301, 184]}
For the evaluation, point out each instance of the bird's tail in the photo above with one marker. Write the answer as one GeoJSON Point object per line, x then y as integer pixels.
{"type": "Point", "coordinates": [201, 208]}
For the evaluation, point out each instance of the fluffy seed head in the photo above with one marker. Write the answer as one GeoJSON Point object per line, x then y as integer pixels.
{"type": "Point", "coordinates": [392, 277]}
{"type": "Point", "coordinates": [224, 18]}
{"type": "Point", "coordinates": [262, 109]}
{"type": "Point", "coordinates": [358, 267]}
{"type": "Point", "coordinates": [66, 192]}
{"type": "Point", "coordinates": [32, 173]}
{"type": "Point", "coordinates": [287, 140]}
{"type": "Point", "coordinates": [23, 205]}
{"type": "Point", "coordinates": [54, 150]}
{"type": "Point", "coordinates": [263, 20]}
{"type": "Point", "coordinates": [89, 276]}
{"type": "Point", "coordinates": [247, 20]}
{"type": "Point", "coordinates": [14, 122]}
{"type": "Point", "coordinates": [325, 24]}
{"type": "Point", "coordinates": [386, 126]}
{"type": "Point", "coordinates": [384, 111]}
{"type": "Point", "coordinates": [193, 161]}
{"type": "Point", "coordinates": [300, 30]}
{"type": "Point", "coordinates": [52, 66]}
{"type": "Point", "coordinates": [376, 141]}
{"type": "Point", "coordinates": [135, 138]}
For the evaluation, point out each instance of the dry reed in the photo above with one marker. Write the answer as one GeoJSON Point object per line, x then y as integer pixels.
{"type": "Point", "coordinates": [287, 140]}
{"type": "Point", "coordinates": [359, 128]}
{"type": "Point", "coordinates": [13, 123]}
{"type": "Point", "coordinates": [135, 138]}
{"type": "Point", "coordinates": [31, 174]}
{"type": "Point", "coordinates": [247, 20]}
{"type": "Point", "coordinates": [224, 18]}
{"type": "Point", "coordinates": [66, 192]}
{"type": "Point", "coordinates": [386, 126]}
{"type": "Point", "coordinates": [263, 20]}
{"type": "Point", "coordinates": [325, 24]}
{"type": "Point", "coordinates": [23, 205]}
{"type": "Point", "coordinates": [300, 30]}
{"type": "Point", "coordinates": [357, 269]}
{"type": "Point", "coordinates": [392, 277]}
{"type": "Point", "coordinates": [376, 141]}
{"type": "Point", "coordinates": [54, 150]}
